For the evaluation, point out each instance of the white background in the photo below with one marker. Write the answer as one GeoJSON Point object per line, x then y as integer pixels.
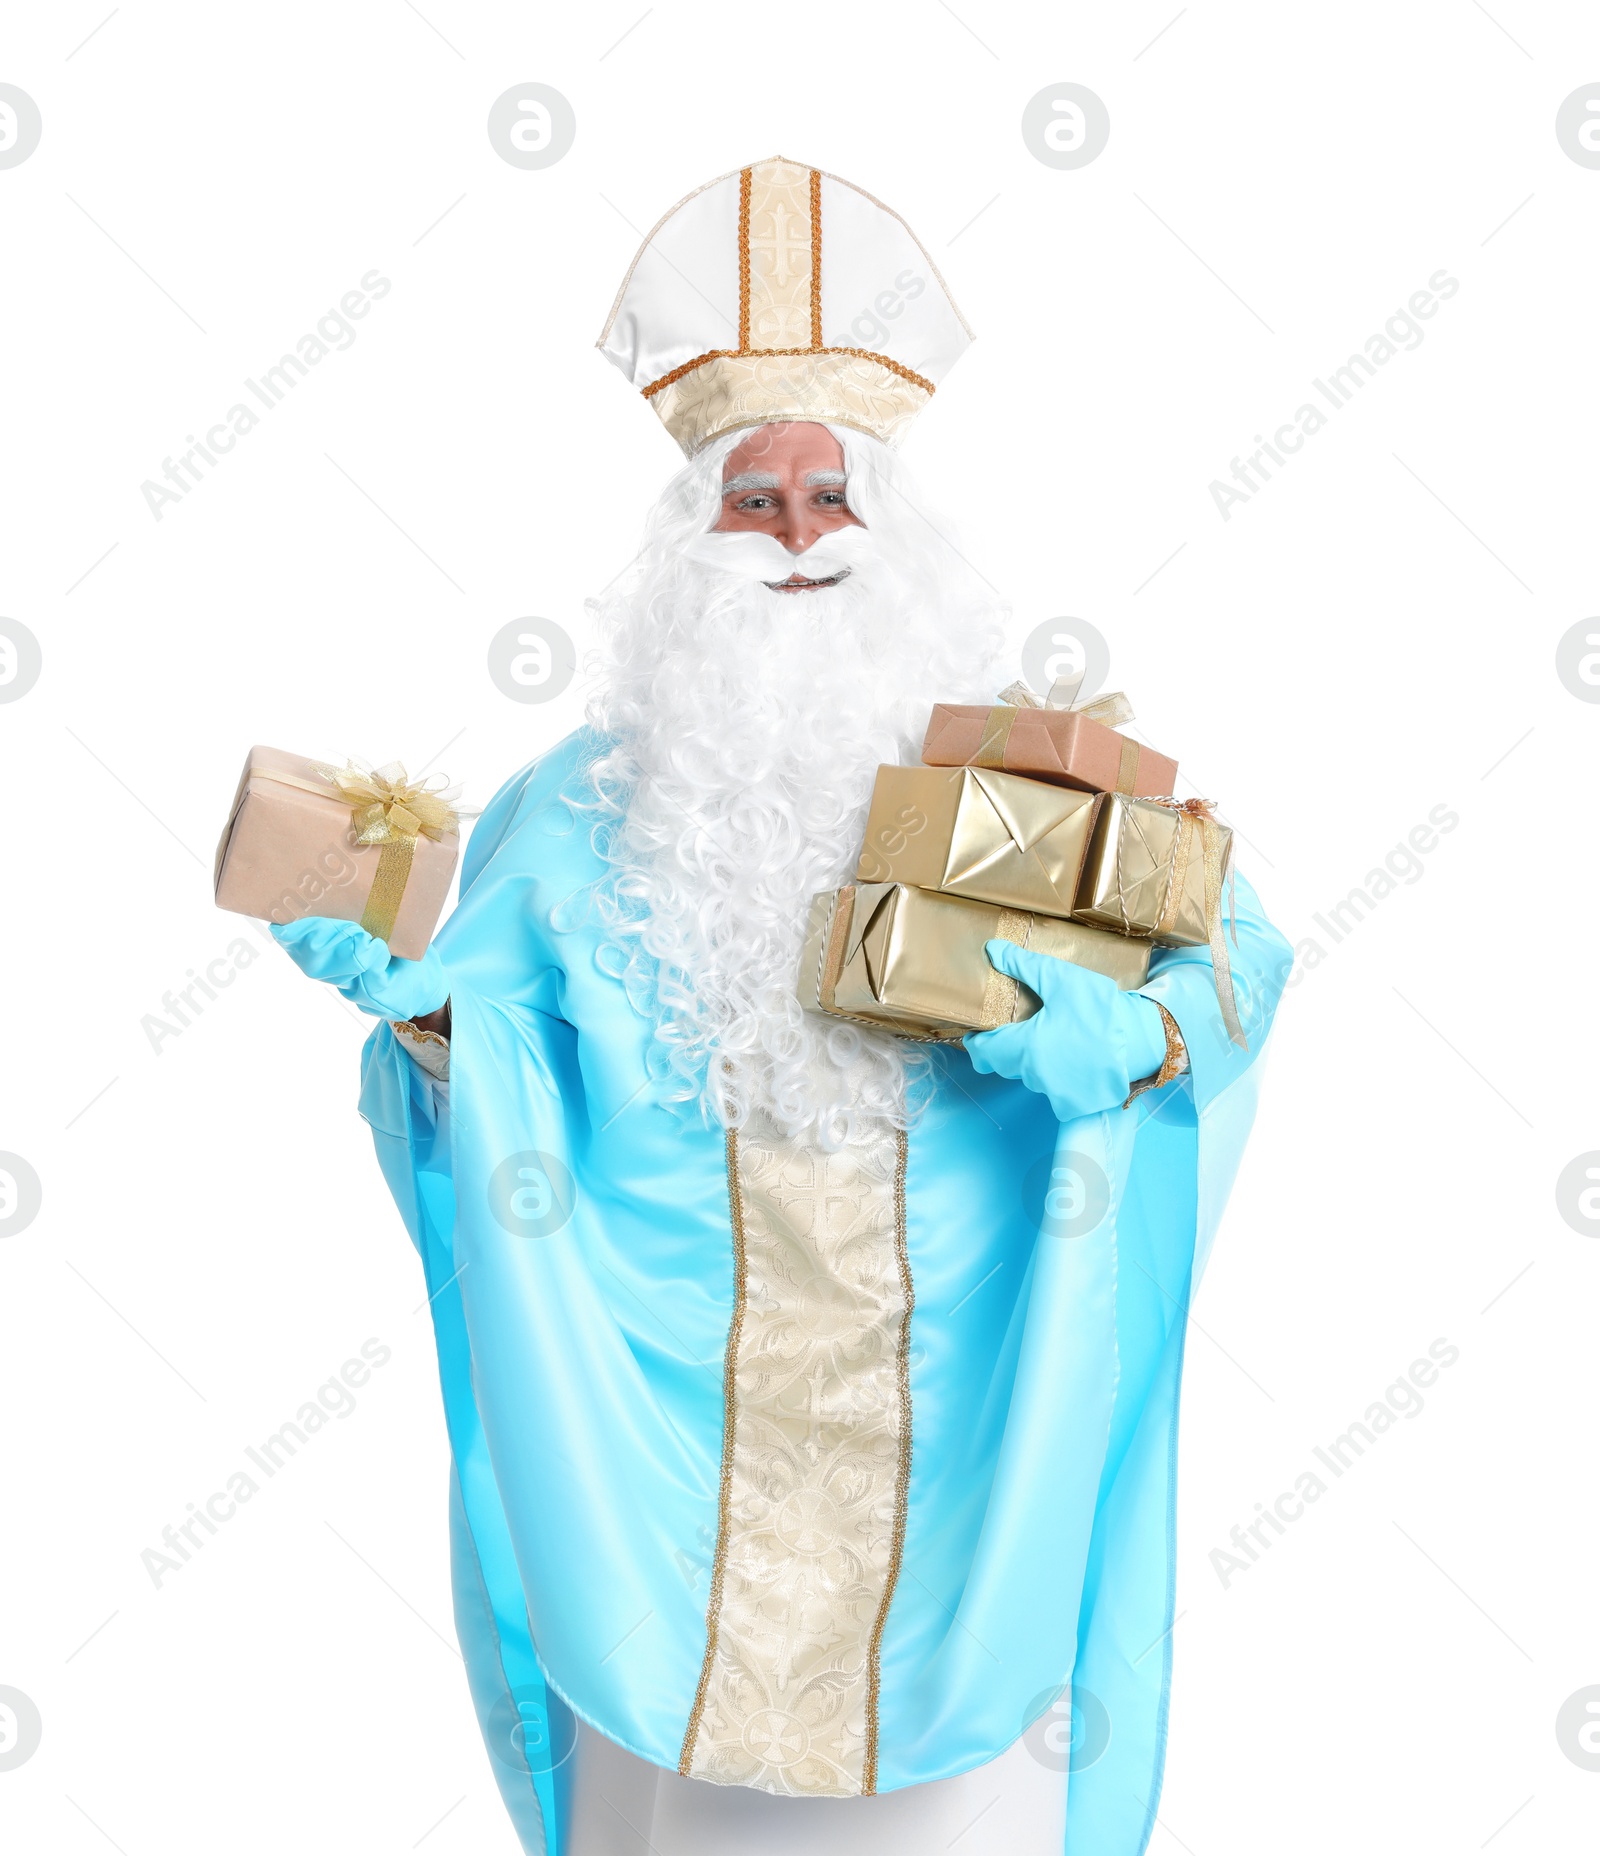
{"type": "Point", "coordinates": [1370, 636]}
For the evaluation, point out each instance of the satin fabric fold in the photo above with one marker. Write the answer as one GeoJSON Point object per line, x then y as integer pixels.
{"type": "Point", "coordinates": [581, 1336]}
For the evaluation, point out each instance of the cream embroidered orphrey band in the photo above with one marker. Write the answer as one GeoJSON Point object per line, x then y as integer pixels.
{"type": "Point", "coordinates": [815, 1465]}
{"type": "Point", "coordinates": [782, 368]}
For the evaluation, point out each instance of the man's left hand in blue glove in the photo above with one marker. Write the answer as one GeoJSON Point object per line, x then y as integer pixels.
{"type": "Point", "coordinates": [362, 969]}
{"type": "Point", "coordinates": [1087, 1046]}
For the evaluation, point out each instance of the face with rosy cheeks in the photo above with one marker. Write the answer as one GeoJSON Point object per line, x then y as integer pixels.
{"type": "Point", "coordinates": [787, 481]}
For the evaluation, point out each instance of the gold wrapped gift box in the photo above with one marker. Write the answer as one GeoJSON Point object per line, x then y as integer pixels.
{"type": "Point", "coordinates": [304, 838]}
{"type": "Point", "coordinates": [913, 960]}
{"type": "Point", "coordinates": [1133, 866]}
{"type": "Point", "coordinates": [1145, 873]}
{"type": "Point", "coordinates": [970, 831]}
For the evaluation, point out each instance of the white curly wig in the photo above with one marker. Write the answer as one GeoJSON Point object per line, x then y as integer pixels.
{"type": "Point", "coordinates": [743, 729]}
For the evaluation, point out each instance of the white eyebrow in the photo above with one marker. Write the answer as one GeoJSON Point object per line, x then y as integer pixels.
{"type": "Point", "coordinates": [814, 477]}
{"type": "Point", "coordinates": [751, 480]}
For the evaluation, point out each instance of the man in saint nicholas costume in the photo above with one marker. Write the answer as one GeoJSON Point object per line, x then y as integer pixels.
{"type": "Point", "coordinates": [811, 1483]}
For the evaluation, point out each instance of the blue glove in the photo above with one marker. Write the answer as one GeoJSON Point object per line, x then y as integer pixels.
{"type": "Point", "coordinates": [363, 969]}
{"type": "Point", "coordinates": [1085, 1049]}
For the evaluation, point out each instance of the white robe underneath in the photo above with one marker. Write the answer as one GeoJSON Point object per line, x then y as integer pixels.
{"type": "Point", "coordinates": [623, 1806]}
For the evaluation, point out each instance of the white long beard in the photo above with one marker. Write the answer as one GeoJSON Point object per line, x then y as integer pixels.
{"type": "Point", "coordinates": [747, 728]}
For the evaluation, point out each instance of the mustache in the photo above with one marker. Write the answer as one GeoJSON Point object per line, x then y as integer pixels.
{"type": "Point", "coordinates": [751, 556]}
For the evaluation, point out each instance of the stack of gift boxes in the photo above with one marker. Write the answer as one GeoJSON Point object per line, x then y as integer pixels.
{"type": "Point", "coordinates": [1027, 823]}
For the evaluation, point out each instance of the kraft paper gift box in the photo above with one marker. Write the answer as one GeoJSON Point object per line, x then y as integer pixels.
{"type": "Point", "coordinates": [913, 961]}
{"type": "Point", "coordinates": [303, 838]}
{"type": "Point", "coordinates": [1068, 747]}
{"type": "Point", "coordinates": [969, 831]}
{"type": "Point", "coordinates": [1146, 871]}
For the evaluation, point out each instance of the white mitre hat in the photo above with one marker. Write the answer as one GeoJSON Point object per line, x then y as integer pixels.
{"type": "Point", "coordinates": [779, 292]}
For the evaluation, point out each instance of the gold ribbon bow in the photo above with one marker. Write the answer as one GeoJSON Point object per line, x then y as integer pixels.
{"type": "Point", "coordinates": [390, 810]}
{"type": "Point", "coordinates": [1196, 819]}
{"type": "Point", "coordinates": [1113, 710]}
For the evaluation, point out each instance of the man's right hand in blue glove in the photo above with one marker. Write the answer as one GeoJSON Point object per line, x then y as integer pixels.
{"type": "Point", "coordinates": [364, 971]}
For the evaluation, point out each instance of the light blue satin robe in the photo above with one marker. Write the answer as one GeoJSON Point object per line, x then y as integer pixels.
{"type": "Point", "coordinates": [582, 1372]}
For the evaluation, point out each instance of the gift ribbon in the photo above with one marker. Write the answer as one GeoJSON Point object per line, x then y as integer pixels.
{"type": "Point", "coordinates": [999, 1006]}
{"type": "Point", "coordinates": [391, 811]}
{"type": "Point", "coordinates": [1195, 820]}
{"type": "Point", "coordinates": [1111, 710]}
{"type": "Point", "coordinates": [386, 809]}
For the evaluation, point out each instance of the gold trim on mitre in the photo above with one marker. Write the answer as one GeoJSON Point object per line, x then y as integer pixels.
{"type": "Point", "coordinates": [782, 368]}
{"type": "Point", "coordinates": [829, 386]}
